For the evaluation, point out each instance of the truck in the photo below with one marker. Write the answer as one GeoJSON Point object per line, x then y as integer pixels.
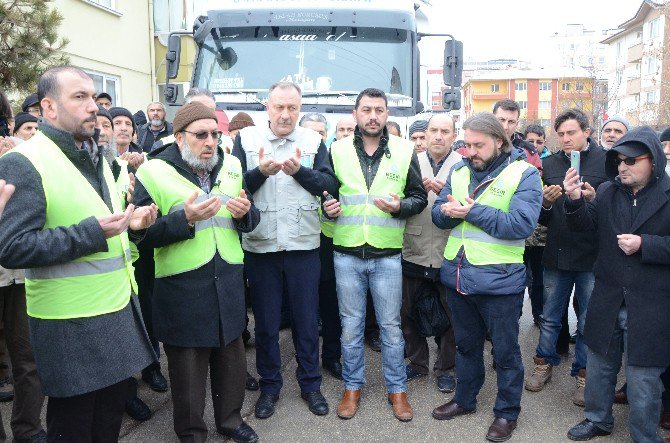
{"type": "Point", "coordinates": [332, 49]}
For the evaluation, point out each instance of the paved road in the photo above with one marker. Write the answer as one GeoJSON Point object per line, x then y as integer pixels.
{"type": "Point", "coordinates": [546, 416]}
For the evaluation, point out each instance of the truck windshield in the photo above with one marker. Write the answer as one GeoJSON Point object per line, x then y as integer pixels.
{"type": "Point", "coordinates": [324, 61]}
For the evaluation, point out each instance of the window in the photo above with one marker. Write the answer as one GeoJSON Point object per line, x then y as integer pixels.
{"type": "Point", "coordinates": [520, 86]}
{"type": "Point", "coordinates": [106, 83]}
{"type": "Point", "coordinates": [618, 49]}
{"type": "Point", "coordinates": [545, 122]}
{"type": "Point", "coordinates": [619, 78]}
{"type": "Point", "coordinates": [579, 86]}
{"type": "Point", "coordinates": [106, 4]}
{"type": "Point", "coordinates": [650, 97]}
{"type": "Point", "coordinates": [654, 27]}
{"type": "Point", "coordinates": [651, 65]}
{"type": "Point", "coordinates": [523, 104]}
{"type": "Point", "coordinates": [545, 86]}
{"type": "Point", "coordinates": [495, 87]}
{"type": "Point", "coordinates": [565, 87]}
{"type": "Point", "coordinates": [544, 105]}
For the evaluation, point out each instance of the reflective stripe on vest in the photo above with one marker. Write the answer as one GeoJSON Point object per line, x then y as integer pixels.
{"type": "Point", "coordinates": [361, 222]}
{"type": "Point", "coordinates": [479, 247]}
{"type": "Point", "coordinates": [96, 284]}
{"type": "Point", "coordinates": [169, 189]}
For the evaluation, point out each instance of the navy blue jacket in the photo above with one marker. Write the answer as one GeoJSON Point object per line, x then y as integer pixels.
{"type": "Point", "coordinates": [516, 224]}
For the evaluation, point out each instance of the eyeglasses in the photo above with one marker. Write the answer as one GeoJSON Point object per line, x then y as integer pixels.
{"type": "Point", "coordinates": [630, 161]}
{"type": "Point", "coordinates": [202, 135]}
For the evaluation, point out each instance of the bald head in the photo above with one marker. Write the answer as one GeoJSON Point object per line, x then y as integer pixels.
{"type": "Point", "coordinates": [440, 135]}
{"type": "Point", "coordinates": [345, 127]}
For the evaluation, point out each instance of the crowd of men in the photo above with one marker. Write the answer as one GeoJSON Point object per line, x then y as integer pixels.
{"type": "Point", "coordinates": [122, 232]}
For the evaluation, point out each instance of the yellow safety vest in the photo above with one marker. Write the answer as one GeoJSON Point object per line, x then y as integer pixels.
{"type": "Point", "coordinates": [361, 222]}
{"type": "Point", "coordinates": [95, 284]}
{"type": "Point", "coordinates": [169, 189]}
{"type": "Point", "coordinates": [481, 248]}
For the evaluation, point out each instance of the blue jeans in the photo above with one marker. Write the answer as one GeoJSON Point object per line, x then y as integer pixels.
{"type": "Point", "coordinates": [383, 276]}
{"type": "Point", "coordinates": [557, 289]}
{"type": "Point", "coordinates": [473, 315]}
{"type": "Point", "coordinates": [644, 389]}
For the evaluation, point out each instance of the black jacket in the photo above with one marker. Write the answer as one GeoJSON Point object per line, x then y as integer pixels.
{"type": "Point", "coordinates": [567, 250]}
{"type": "Point", "coordinates": [185, 305]}
{"type": "Point", "coordinates": [641, 280]}
{"type": "Point", "coordinates": [146, 138]}
{"type": "Point", "coordinates": [416, 198]}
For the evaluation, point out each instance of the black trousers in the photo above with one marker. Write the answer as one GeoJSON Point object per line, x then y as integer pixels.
{"type": "Point", "coordinates": [92, 417]}
{"type": "Point", "coordinates": [188, 367]}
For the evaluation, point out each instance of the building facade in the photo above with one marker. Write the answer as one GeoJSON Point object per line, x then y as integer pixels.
{"type": "Point", "coordinates": [639, 78]}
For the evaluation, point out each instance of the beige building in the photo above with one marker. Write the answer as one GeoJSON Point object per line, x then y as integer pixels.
{"type": "Point", "coordinates": [112, 40]}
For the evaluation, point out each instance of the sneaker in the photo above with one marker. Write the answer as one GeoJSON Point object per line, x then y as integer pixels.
{"type": "Point", "coordinates": [6, 390]}
{"type": "Point", "coordinates": [446, 383]}
{"type": "Point", "coordinates": [412, 373]}
{"type": "Point", "coordinates": [541, 375]}
{"type": "Point", "coordinates": [578, 398]}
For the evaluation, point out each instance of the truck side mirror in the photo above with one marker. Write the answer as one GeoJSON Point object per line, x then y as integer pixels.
{"type": "Point", "coordinates": [451, 98]}
{"type": "Point", "coordinates": [453, 63]}
{"type": "Point", "coordinates": [172, 56]}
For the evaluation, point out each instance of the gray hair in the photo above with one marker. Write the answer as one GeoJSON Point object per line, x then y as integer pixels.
{"type": "Point", "coordinates": [487, 123]}
{"type": "Point", "coordinates": [285, 85]}
{"type": "Point", "coordinates": [155, 103]}
{"type": "Point", "coordinates": [313, 117]}
{"type": "Point", "coordinates": [197, 92]}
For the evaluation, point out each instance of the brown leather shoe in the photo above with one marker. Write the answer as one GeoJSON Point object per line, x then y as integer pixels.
{"type": "Point", "coordinates": [620, 397]}
{"type": "Point", "coordinates": [348, 404]}
{"type": "Point", "coordinates": [401, 407]}
{"type": "Point", "coordinates": [501, 429]}
{"type": "Point", "coordinates": [665, 420]}
{"type": "Point", "coordinates": [450, 410]}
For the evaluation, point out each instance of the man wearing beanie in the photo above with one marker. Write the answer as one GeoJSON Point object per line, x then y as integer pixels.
{"type": "Point", "coordinates": [240, 121]}
{"type": "Point", "coordinates": [287, 169]}
{"type": "Point", "coordinates": [665, 139]}
{"type": "Point", "coordinates": [612, 130]}
{"type": "Point", "coordinates": [629, 309]}
{"type": "Point", "coordinates": [124, 129]}
{"type": "Point", "coordinates": [31, 105]}
{"type": "Point", "coordinates": [417, 135]}
{"type": "Point", "coordinates": [198, 304]}
{"type": "Point", "coordinates": [25, 125]}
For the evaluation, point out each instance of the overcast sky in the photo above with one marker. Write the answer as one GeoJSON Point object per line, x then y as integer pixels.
{"type": "Point", "coordinates": [520, 29]}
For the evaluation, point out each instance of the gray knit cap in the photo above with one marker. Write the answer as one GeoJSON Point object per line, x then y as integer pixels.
{"type": "Point", "coordinates": [418, 126]}
{"type": "Point", "coordinates": [621, 120]}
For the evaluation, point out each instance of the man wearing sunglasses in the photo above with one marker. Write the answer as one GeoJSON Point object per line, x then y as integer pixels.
{"type": "Point", "coordinates": [629, 310]}
{"type": "Point", "coordinates": [198, 298]}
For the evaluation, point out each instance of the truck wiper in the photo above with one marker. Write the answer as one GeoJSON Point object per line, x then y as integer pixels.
{"type": "Point", "coordinates": [344, 94]}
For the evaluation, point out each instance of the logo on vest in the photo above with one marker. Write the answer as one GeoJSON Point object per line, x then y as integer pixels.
{"type": "Point", "coordinates": [232, 173]}
{"type": "Point", "coordinates": [393, 173]}
{"type": "Point", "coordinates": [498, 188]}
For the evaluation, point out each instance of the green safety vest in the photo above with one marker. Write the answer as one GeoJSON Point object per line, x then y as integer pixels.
{"type": "Point", "coordinates": [169, 189]}
{"type": "Point", "coordinates": [122, 185]}
{"type": "Point", "coordinates": [361, 222]}
{"type": "Point", "coordinates": [327, 225]}
{"type": "Point", "coordinates": [95, 284]}
{"type": "Point", "coordinates": [479, 247]}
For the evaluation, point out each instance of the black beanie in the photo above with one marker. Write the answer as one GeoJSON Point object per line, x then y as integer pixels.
{"type": "Point", "coordinates": [29, 101]}
{"type": "Point", "coordinates": [117, 111]}
{"type": "Point", "coordinates": [665, 135]}
{"type": "Point", "coordinates": [21, 118]}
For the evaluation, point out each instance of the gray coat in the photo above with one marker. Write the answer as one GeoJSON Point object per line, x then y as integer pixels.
{"type": "Point", "coordinates": [80, 355]}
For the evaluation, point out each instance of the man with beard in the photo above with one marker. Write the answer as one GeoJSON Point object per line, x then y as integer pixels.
{"type": "Point", "coordinates": [66, 226]}
{"type": "Point", "coordinates": [124, 129]}
{"type": "Point", "coordinates": [376, 195]}
{"type": "Point", "coordinates": [155, 129]}
{"type": "Point", "coordinates": [612, 130]}
{"type": "Point", "coordinates": [287, 170]}
{"type": "Point", "coordinates": [491, 203]}
{"type": "Point", "coordinates": [198, 304]}
{"type": "Point", "coordinates": [417, 135]}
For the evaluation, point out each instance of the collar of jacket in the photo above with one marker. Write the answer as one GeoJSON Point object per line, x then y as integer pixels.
{"type": "Point", "coordinates": [64, 139]}
{"type": "Point", "coordinates": [171, 154]}
{"type": "Point", "coordinates": [590, 147]}
{"type": "Point", "coordinates": [519, 142]}
{"type": "Point", "coordinates": [383, 143]}
{"type": "Point", "coordinates": [272, 136]}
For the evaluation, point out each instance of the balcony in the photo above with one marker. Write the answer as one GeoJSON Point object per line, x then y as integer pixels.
{"type": "Point", "coordinates": [635, 53]}
{"type": "Point", "coordinates": [633, 86]}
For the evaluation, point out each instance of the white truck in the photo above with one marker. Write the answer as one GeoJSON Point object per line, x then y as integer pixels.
{"type": "Point", "coordinates": [333, 49]}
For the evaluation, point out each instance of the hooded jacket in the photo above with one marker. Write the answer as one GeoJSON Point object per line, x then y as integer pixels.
{"type": "Point", "coordinates": [640, 280]}
{"type": "Point", "coordinates": [518, 223]}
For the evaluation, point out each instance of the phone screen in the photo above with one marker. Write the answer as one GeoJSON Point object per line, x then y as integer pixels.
{"type": "Point", "coordinates": [574, 161]}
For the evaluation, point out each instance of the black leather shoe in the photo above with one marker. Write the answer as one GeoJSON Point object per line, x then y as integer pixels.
{"type": "Point", "coordinates": [450, 410]}
{"type": "Point", "coordinates": [251, 384]}
{"type": "Point", "coordinates": [40, 437]}
{"type": "Point", "coordinates": [265, 405]}
{"type": "Point", "coordinates": [316, 401]}
{"type": "Point", "coordinates": [413, 373]}
{"type": "Point", "coordinates": [334, 367]}
{"type": "Point", "coordinates": [586, 430]}
{"type": "Point", "coordinates": [153, 377]}
{"type": "Point", "coordinates": [501, 430]}
{"type": "Point", "coordinates": [241, 434]}
{"type": "Point", "coordinates": [375, 343]}
{"type": "Point", "coordinates": [446, 383]}
{"type": "Point", "coordinates": [137, 409]}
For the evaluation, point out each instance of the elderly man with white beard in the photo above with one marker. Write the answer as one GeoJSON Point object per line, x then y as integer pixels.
{"type": "Point", "coordinates": [198, 298]}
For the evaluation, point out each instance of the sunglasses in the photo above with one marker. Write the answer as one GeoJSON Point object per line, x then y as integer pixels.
{"type": "Point", "coordinates": [630, 161]}
{"type": "Point", "coordinates": [202, 135]}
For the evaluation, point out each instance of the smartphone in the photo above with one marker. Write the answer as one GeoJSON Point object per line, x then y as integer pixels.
{"type": "Point", "coordinates": [575, 156]}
